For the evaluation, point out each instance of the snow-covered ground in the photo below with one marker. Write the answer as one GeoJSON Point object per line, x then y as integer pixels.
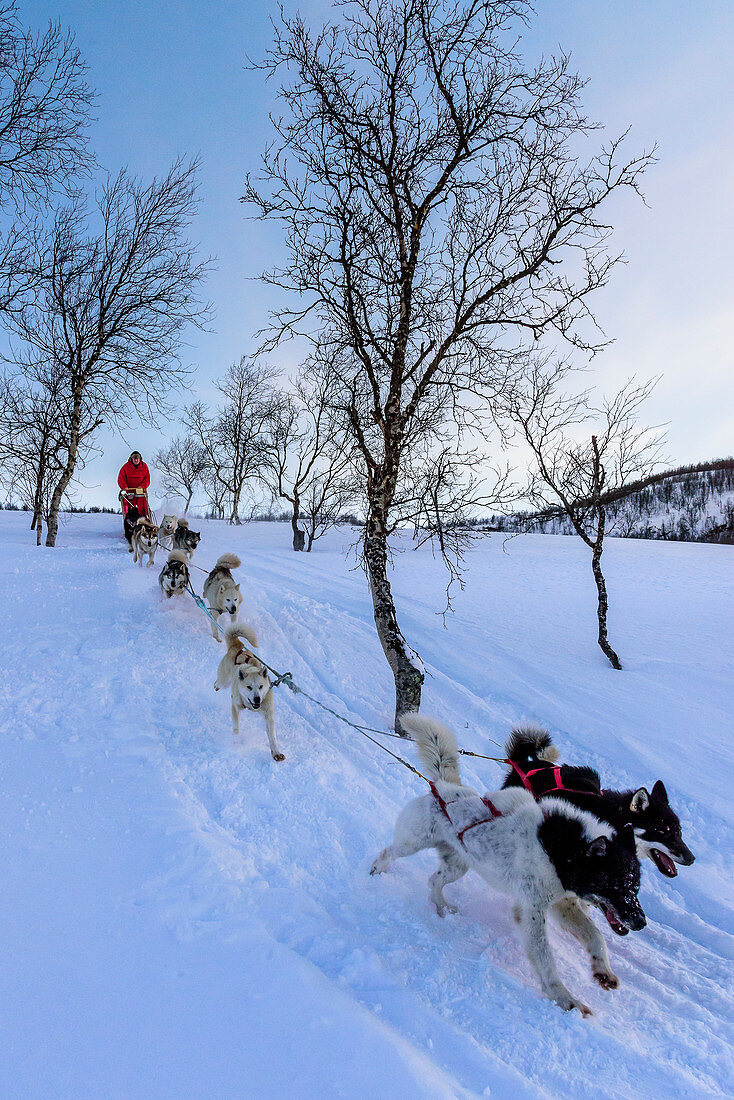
{"type": "Point", "coordinates": [181, 917]}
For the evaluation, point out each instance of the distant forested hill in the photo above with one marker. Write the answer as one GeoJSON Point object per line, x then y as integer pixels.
{"type": "Point", "coordinates": [690, 504]}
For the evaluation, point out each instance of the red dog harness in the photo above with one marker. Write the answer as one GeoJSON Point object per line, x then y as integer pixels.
{"type": "Point", "coordinates": [560, 785]}
{"type": "Point", "coordinates": [444, 810]}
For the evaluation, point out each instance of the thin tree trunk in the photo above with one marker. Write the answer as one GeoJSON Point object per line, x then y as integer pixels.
{"type": "Point", "coordinates": [408, 678]}
{"type": "Point", "coordinates": [602, 609]}
{"type": "Point", "coordinates": [235, 513]}
{"type": "Point", "coordinates": [37, 523]}
{"type": "Point", "coordinates": [52, 521]}
{"type": "Point", "coordinates": [298, 535]}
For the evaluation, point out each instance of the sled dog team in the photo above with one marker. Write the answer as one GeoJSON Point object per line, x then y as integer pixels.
{"type": "Point", "coordinates": [239, 669]}
{"type": "Point", "coordinates": [551, 838]}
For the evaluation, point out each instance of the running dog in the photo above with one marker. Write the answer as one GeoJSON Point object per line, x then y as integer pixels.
{"type": "Point", "coordinates": [145, 541]}
{"type": "Point", "coordinates": [130, 521]}
{"type": "Point", "coordinates": [184, 539]}
{"type": "Point", "coordinates": [174, 576]}
{"type": "Point", "coordinates": [250, 682]}
{"type": "Point", "coordinates": [556, 857]}
{"type": "Point", "coordinates": [221, 592]}
{"type": "Point", "coordinates": [532, 755]}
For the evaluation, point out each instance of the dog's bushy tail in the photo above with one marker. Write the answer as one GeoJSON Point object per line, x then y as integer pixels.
{"type": "Point", "coordinates": [240, 630]}
{"type": "Point", "coordinates": [178, 555]}
{"type": "Point", "coordinates": [437, 746]}
{"type": "Point", "coordinates": [182, 522]}
{"type": "Point", "coordinates": [228, 561]}
{"type": "Point", "coordinates": [528, 743]}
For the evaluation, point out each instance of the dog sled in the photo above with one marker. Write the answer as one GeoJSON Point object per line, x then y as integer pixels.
{"type": "Point", "coordinates": [136, 498]}
{"type": "Point", "coordinates": [134, 507]}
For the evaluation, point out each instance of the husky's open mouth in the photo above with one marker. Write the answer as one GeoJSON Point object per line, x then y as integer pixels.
{"type": "Point", "coordinates": [614, 922]}
{"type": "Point", "coordinates": [663, 862]}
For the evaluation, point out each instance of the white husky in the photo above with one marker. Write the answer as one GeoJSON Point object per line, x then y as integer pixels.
{"type": "Point", "coordinates": [168, 526]}
{"type": "Point", "coordinates": [221, 592]}
{"type": "Point", "coordinates": [250, 682]}
{"type": "Point", "coordinates": [554, 856]}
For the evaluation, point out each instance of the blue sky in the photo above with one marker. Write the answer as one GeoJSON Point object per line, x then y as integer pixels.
{"type": "Point", "coordinates": [172, 79]}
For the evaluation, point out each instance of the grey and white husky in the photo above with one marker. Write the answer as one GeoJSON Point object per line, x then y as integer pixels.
{"type": "Point", "coordinates": [557, 857]}
{"type": "Point", "coordinates": [144, 541]}
{"type": "Point", "coordinates": [185, 539]}
{"type": "Point", "coordinates": [249, 680]}
{"type": "Point", "coordinates": [174, 576]}
{"type": "Point", "coordinates": [221, 592]}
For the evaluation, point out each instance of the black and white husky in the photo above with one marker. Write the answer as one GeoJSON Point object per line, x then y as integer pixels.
{"type": "Point", "coordinates": [221, 592]}
{"type": "Point", "coordinates": [129, 522]}
{"type": "Point", "coordinates": [174, 576]}
{"type": "Point", "coordinates": [532, 755]}
{"type": "Point", "coordinates": [556, 857]}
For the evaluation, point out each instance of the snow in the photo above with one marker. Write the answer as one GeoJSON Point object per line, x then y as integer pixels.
{"type": "Point", "coordinates": [182, 917]}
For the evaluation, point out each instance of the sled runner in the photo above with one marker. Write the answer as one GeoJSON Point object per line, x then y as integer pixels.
{"type": "Point", "coordinates": [137, 498]}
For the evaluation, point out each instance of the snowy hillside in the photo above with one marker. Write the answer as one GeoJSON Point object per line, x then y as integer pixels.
{"type": "Point", "coordinates": [183, 918]}
{"type": "Point", "coordinates": [693, 504]}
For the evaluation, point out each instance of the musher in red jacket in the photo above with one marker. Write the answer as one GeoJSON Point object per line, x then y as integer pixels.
{"type": "Point", "coordinates": [134, 475]}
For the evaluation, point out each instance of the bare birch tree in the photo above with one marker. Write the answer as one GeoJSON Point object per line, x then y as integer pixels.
{"type": "Point", "coordinates": [35, 416]}
{"type": "Point", "coordinates": [436, 215]}
{"type": "Point", "coordinates": [232, 437]}
{"type": "Point", "coordinates": [306, 460]}
{"type": "Point", "coordinates": [45, 103]}
{"type": "Point", "coordinates": [110, 304]}
{"type": "Point", "coordinates": [181, 466]}
{"type": "Point", "coordinates": [580, 479]}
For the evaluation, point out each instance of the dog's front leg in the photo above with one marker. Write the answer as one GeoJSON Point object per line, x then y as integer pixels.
{"type": "Point", "coordinates": [405, 846]}
{"type": "Point", "coordinates": [267, 709]}
{"type": "Point", "coordinates": [573, 917]}
{"type": "Point", "coordinates": [235, 715]}
{"type": "Point", "coordinates": [213, 625]}
{"type": "Point", "coordinates": [538, 950]}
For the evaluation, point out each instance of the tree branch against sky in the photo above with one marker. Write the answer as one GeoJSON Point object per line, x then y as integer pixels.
{"type": "Point", "coordinates": [437, 219]}
{"type": "Point", "coordinates": [112, 293]}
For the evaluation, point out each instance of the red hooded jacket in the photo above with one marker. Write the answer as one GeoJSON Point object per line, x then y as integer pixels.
{"type": "Point", "coordinates": [134, 477]}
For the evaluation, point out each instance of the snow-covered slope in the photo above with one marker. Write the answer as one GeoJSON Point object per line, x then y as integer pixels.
{"type": "Point", "coordinates": [692, 504]}
{"type": "Point", "coordinates": [182, 917]}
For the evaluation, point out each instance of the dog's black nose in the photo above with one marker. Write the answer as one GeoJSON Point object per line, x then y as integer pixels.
{"type": "Point", "coordinates": [637, 921]}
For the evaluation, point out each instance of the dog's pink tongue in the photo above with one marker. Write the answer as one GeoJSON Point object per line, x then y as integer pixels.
{"type": "Point", "coordinates": [664, 863]}
{"type": "Point", "coordinates": [614, 924]}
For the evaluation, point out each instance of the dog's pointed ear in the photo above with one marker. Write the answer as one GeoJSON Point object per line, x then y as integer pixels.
{"type": "Point", "coordinates": [640, 801]}
{"type": "Point", "coordinates": [597, 847]}
{"type": "Point", "coordinates": [659, 793]}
